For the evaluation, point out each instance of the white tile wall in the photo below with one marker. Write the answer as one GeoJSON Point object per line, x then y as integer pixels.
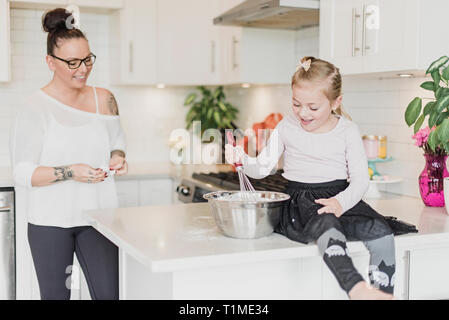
{"type": "Point", "coordinates": [149, 114]}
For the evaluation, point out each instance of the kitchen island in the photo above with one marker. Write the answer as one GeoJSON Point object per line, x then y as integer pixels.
{"type": "Point", "coordinates": [177, 252]}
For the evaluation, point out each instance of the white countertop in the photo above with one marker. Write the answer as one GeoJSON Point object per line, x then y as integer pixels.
{"type": "Point", "coordinates": [164, 170]}
{"type": "Point", "coordinates": [177, 237]}
{"type": "Point", "coordinates": [140, 171]}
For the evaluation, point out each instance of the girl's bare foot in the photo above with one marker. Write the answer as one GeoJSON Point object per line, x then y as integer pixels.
{"type": "Point", "coordinates": [363, 291]}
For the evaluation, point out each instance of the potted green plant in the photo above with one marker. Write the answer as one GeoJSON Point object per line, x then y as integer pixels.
{"type": "Point", "coordinates": [211, 109]}
{"type": "Point", "coordinates": [213, 112]}
{"type": "Point", "coordinates": [433, 139]}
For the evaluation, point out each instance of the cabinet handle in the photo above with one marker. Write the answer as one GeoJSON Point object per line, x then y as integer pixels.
{"type": "Point", "coordinates": [131, 57]}
{"type": "Point", "coordinates": [234, 53]}
{"type": "Point", "coordinates": [354, 31]}
{"type": "Point", "coordinates": [406, 292]}
{"type": "Point", "coordinates": [5, 209]}
{"type": "Point", "coordinates": [212, 66]}
{"type": "Point", "coordinates": [364, 46]}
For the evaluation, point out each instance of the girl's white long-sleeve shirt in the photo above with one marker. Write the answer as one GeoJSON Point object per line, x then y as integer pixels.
{"type": "Point", "coordinates": [51, 134]}
{"type": "Point", "coordinates": [315, 157]}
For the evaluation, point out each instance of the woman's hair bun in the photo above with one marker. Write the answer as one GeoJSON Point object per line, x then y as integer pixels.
{"type": "Point", "coordinates": [55, 19]}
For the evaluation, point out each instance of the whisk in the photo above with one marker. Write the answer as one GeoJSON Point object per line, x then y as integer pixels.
{"type": "Point", "coordinates": [246, 188]}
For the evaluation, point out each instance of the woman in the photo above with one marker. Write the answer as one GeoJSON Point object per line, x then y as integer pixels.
{"type": "Point", "coordinates": [63, 145]}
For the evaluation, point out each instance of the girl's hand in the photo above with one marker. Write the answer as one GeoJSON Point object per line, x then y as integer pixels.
{"type": "Point", "coordinates": [118, 163]}
{"type": "Point", "coordinates": [331, 205]}
{"type": "Point", "coordinates": [233, 154]}
{"type": "Point", "coordinates": [87, 174]}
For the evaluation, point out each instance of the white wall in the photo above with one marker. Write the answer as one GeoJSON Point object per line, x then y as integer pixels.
{"type": "Point", "coordinates": [149, 114]}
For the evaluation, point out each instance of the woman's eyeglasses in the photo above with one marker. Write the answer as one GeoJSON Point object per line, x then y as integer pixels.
{"type": "Point", "coordinates": [76, 63]}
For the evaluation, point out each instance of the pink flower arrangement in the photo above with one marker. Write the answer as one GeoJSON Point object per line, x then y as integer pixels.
{"type": "Point", "coordinates": [421, 138]}
{"type": "Point", "coordinates": [422, 135]}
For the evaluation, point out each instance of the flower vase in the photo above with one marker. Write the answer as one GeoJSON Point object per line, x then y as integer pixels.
{"type": "Point", "coordinates": [431, 180]}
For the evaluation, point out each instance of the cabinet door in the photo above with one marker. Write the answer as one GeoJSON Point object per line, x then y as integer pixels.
{"type": "Point", "coordinates": [155, 192]}
{"type": "Point", "coordinates": [134, 42]}
{"type": "Point", "coordinates": [256, 55]}
{"type": "Point", "coordinates": [127, 193]}
{"type": "Point", "coordinates": [267, 56]}
{"type": "Point", "coordinates": [5, 43]}
{"type": "Point", "coordinates": [390, 35]}
{"type": "Point", "coordinates": [428, 274]}
{"type": "Point", "coordinates": [341, 34]}
{"type": "Point", "coordinates": [230, 38]}
{"type": "Point", "coordinates": [188, 47]}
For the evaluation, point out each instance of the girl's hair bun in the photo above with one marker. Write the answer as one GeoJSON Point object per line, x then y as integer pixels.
{"type": "Point", "coordinates": [55, 19]}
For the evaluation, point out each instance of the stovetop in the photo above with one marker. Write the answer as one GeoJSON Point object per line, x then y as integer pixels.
{"type": "Point", "coordinates": [230, 181]}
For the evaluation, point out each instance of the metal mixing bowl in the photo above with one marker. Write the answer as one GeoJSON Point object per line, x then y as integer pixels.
{"type": "Point", "coordinates": [246, 219]}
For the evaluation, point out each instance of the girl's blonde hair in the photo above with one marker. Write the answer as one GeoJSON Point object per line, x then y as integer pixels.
{"type": "Point", "coordinates": [321, 71]}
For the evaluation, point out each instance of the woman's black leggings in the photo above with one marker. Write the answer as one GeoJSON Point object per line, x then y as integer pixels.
{"type": "Point", "coordinates": [52, 250]}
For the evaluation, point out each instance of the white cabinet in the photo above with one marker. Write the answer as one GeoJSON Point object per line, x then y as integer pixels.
{"type": "Point", "coordinates": [37, 3]}
{"type": "Point", "coordinates": [174, 42]}
{"type": "Point", "coordinates": [428, 273]}
{"type": "Point", "coordinates": [255, 55]}
{"type": "Point", "coordinates": [134, 43]}
{"type": "Point", "coordinates": [391, 31]}
{"type": "Point", "coordinates": [5, 43]}
{"type": "Point", "coordinates": [154, 192]}
{"type": "Point", "coordinates": [369, 36]}
{"type": "Point", "coordinates": [127, 193]}
{"type": "Point", "coordinates": [188, 42]}
{"type": "Point", "coordinates": [259, 56]}
{"type": "Point", "coordinates": [145, 192]}
{"type": "Point", "coordinates": [97, 4]}
{"type": "Point", "coordinates": [340, 34]}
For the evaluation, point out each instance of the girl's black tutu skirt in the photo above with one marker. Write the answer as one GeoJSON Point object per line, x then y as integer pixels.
{"type": "Point", "coordinates": [300, 221]}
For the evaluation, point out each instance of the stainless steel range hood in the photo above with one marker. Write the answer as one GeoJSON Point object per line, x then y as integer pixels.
{"type": "Point", "coordinates": [275, 14]}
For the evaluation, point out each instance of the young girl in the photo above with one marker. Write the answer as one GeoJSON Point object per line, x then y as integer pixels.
{"type": "Point", "coordinates": [322, 148]}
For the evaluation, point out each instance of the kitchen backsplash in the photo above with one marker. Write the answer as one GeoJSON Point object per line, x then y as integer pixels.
{"type": "Point", "coordinates": [149, 115]}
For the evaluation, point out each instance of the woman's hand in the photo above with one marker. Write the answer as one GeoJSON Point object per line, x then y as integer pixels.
{"type": "Point", "coordinates": [85, 173]}
{"type": "Point", "coordinates": [331, 205]}
{"type": "Point", "coordinates": [233, 154]}
{"type": "Point", "coordinates": [118, 163]}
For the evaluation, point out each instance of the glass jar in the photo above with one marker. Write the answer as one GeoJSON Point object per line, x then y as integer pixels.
{"type": "Point", "coordinates": [382, 152]}
{"type": "Point", "coordinates": [371, 145]}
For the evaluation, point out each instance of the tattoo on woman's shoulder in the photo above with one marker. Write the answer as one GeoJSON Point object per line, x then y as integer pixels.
{"type": "Point", "coordinates": [112, 105]}
{"type": "Point", "coordinates": [63, 173]}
